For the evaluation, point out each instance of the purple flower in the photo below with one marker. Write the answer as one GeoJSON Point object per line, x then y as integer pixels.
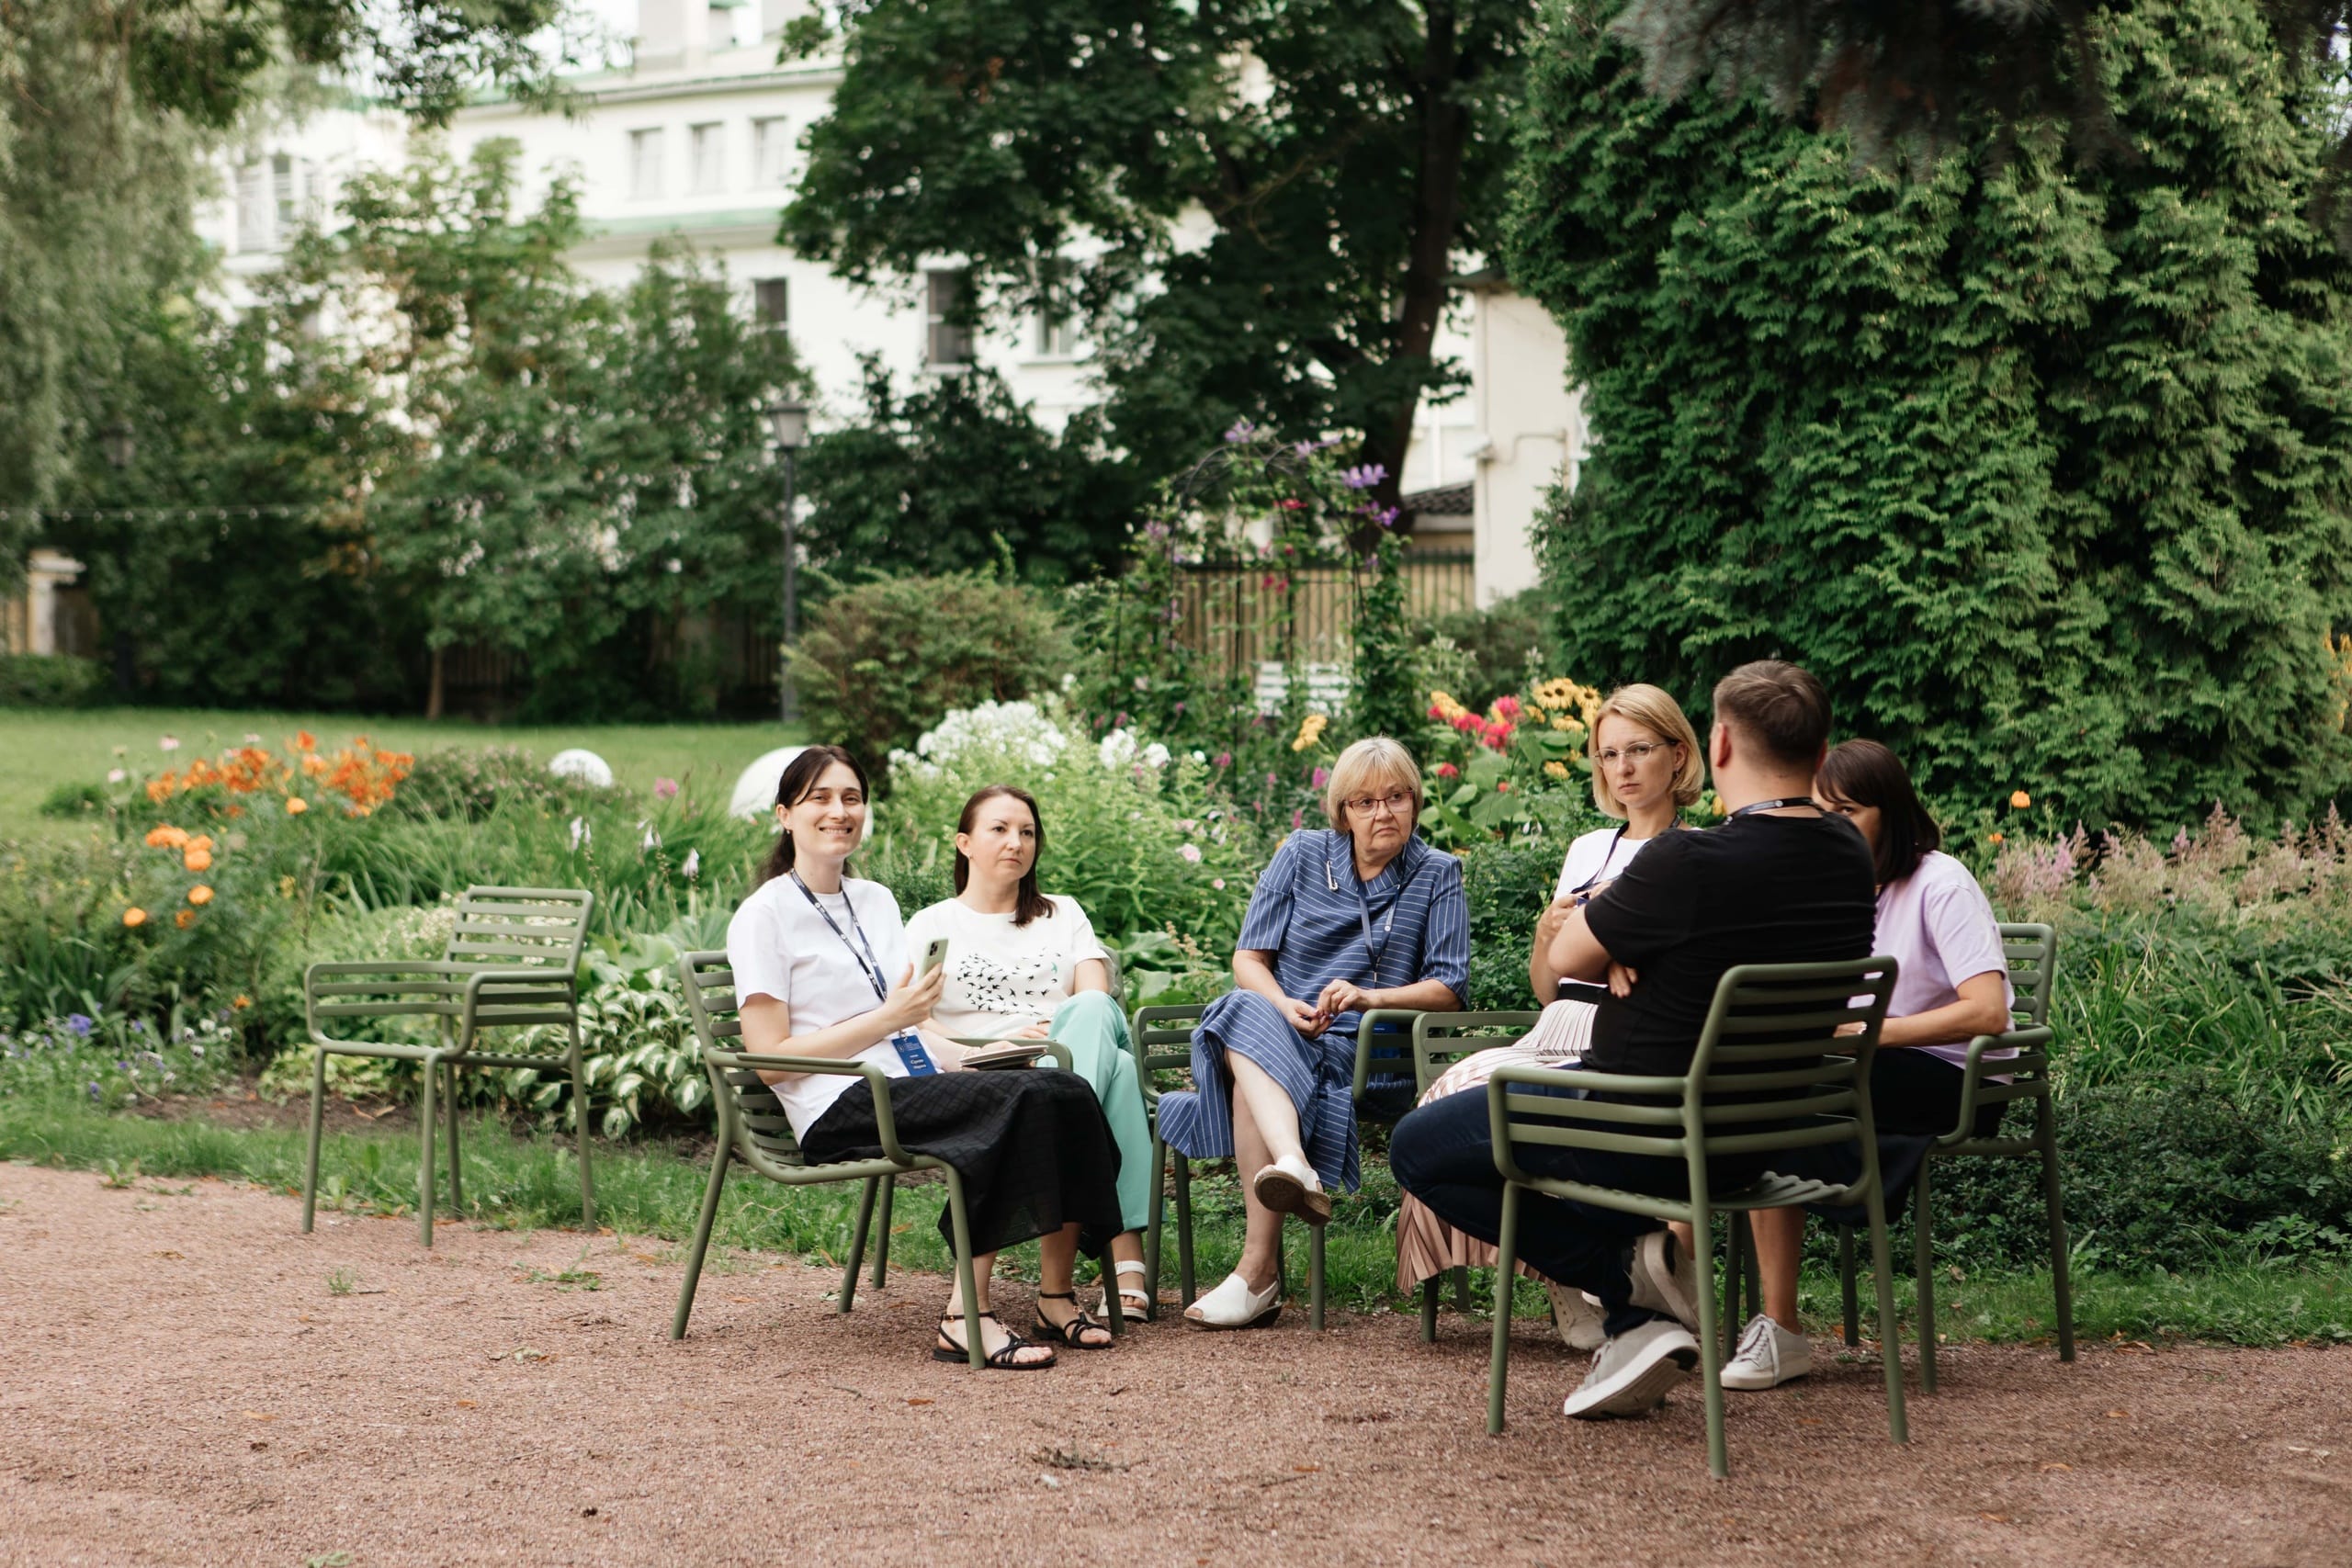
{"type": "Point", "coordinates": [1389, 517]}
{"type": "Point", "coordinates": [79, 1023]}
{"type": "Point", "coordinates": [1240, 431]}
{"type": "Point", "coordinates": [93, 1091]}
{"type": "Point", "coordinates": [1305, 448]}
{"type": "Point", "coordinates": [664, 789]}
{"type": "Point", "coordinates": [1365, 477]}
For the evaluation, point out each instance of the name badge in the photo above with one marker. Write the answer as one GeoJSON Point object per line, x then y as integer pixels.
{"type": "Point", "coordinates": [909, 1048]}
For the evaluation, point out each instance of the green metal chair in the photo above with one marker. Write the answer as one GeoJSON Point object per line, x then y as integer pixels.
{"type": "Point", "coordinates": [513, 962]}
{"type": "Point", "coordinates": [1771, 1040]}
{"type": "Point", "coordinates": [752, 1128]}
{"type": "Point", "coordinates": [1439, 1039]}
{"type": "Point", "coordinates": [2032, 953]}
{"type": "Point", "coordinates": [1162, 1037]}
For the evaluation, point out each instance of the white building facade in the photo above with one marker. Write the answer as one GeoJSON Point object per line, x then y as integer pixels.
{"type": "Point", "coordinates": [699, 137]}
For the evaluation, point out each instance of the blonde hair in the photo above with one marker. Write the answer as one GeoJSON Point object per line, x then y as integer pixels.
{"type": "Point", "coordinates": [1373, 758]}
{"type": "Point", "coordinates": [1660, 714]}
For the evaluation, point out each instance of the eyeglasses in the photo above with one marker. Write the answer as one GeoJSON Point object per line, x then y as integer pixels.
{"type": "Point", "coordinates": [1636, 753]}
{"type": "Point", "coordinates": [1394, 803]}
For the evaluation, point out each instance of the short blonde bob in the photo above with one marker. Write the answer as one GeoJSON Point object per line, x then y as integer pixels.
{"type": "Point", "coordinates": [1662, 717]}
{"type": "Point", "coordinates": [1373, 762]}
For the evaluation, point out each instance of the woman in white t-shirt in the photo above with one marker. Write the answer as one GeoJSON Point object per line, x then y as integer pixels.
{"type": "Point", "coordinates": [1024, 964]}
{"type": "Point", "coordinates": [1647, 766]}
{"type": "Point", "coordinates": [814, 952]}
{"type": "Point", "coordinates": [1953, 986]}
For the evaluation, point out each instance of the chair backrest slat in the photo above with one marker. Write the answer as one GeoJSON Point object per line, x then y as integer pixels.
{"type": "Point", "coordinates": [2032, 949]}
{"type": "Point", "coordinates": [1163, 1037]}
{"type": "Point", "coordinates": [763, 1131]}
{"type": "Point", "coordinates": [529, 928]}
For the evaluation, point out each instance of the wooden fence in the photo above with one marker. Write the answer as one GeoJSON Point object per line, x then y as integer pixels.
{"type": "Point", "coordinates": [1240, 615]}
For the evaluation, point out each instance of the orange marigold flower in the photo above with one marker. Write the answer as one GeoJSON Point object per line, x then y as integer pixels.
{"type": "Point", "coordinates": [1997, 838]}
{"type": "Point", "coordinates": [199, 895]}
{"type": "Point", "coordinates": [166, 837]}
{"type": "Point", "coordinates": [306, 741]}
{"type": "Point", "coordinates": [201, 842]}
{"type": "Point", "coordinates": [236, 811]}
{"type": "Point", "coordinates": [159, 789]}
{"type": "Point", "coordinates": [242, 1003]}
{"type": "Point", "coordinates": [296, 806]}
{"type": "Point", "coordinates": [2020, 800]}
{"type": "Point", "coordinates": [198, 860]}
{"type": "Point", "coordinates": [314, 765]}
{"type": "Point", "coordinates": [184, 919]}
{"type": "Point", "coordinates": [134, 916]}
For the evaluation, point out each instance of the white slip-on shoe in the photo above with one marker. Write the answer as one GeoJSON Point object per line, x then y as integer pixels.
{"type": "Point", "coordinates": [1769, 1356]}
{"type": "Point", "coordinates": [1234, 1306]}
{"type": "Point", "coordinates": [1577, 1317]}
{"type": "Point", "coordinates": [1666, 1278]}
{"type": "Point", "coordinates": [1290, 1186]}
{"type": "Point", "coordinates": [1632, 1371]}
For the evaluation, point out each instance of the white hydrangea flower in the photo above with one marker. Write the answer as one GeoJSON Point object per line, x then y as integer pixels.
{"type": "Point", "coordinates": [1118, 749]}
{"type": "Point", "coordinates": [1020, 729]}
{"type": "Point", "coordinates": [1155, 755]}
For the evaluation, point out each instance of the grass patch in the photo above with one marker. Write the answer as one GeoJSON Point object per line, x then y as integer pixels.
{"type": "Point", "coordinates": [42, 749]}
{"type": "Point", "coordinates": [654, 1190]}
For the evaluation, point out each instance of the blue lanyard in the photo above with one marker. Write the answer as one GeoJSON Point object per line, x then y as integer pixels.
{"type": "Point", "coordinates": [907, 1042]}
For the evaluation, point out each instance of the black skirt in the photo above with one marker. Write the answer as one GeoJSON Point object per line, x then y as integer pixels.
{"type": "Point", "coordinates": [1029, 1144]}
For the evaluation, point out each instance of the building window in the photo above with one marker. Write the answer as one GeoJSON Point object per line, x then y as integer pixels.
{"type": "Point", "coordinates": [771, 152]}
{"type": "Point", "coordinates": [947, 340]}
{"type": "Point", "coordinates": [253, 208]}
{"type": "Point", "coordinates": [271, 194]}
{"type": "Point", "coordinates": [709, 143]}
{"type": "Point", "coordinates": [644, 163]}
{"type": "Point", "coordinates": [1056, 336]}
{"type": "Point", "coordinates": [771, 302]}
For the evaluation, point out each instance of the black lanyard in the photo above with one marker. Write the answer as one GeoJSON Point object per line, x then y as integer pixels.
{"type": "Point", "coordinates": [1363, 904]}
{"type": "Point", "coordinates": [867, 965]}
{"type": "Point", "coordinates": [1755, 806]}
{"type": "Point", "coordinates": [1606, 857]}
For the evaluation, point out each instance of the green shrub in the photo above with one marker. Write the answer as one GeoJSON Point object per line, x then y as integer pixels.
{"type": "Point", "coordinates": [1506, 882]}
{"type": "Point", "coordinates": [50, 680]}
{"type": "Point", "coordinates": [1479, 655]}
{"type": "Point", "coordinates": [114, 1060]}
{"type": "Point", "coordinates": [882, 662]}
{"type": "Point", "coordinates": [469, 782]}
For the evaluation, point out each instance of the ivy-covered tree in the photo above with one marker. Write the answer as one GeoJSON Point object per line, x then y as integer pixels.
{"type": "Point", "coordinates": [2043, 468]}
{"type": "Point", "coordinates": [1254, 204]}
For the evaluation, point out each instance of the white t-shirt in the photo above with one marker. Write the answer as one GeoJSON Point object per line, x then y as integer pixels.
{"type": "Point", "coordinates": [1599, 856]}
{"type": "Point", "coordinates": [778, 947]}
{"type": "Point", "coordinates": [1939, 925]}
{"type": "Point", "coordinates": [1001, 976]}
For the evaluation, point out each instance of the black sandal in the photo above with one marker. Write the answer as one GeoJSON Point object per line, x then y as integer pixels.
{"type": "Point", "coordinates": [1068, 1333]}
{"type": "Point", "coordinates": [1000, 1360]}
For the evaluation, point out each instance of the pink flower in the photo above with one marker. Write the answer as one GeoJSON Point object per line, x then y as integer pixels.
{"type": "Point", "coordinates": [1322, 777]}
{"type": "Point", "coordinates": [1225, 758]}
{"type": "Point", "coordinates": [1190, 853]}
{"type": "Point", "coordinates": [1448, 771]}
{"type": "Point", "coordinates": [1466, 722]}
{"type": "Point", "coordinates": [665, 789]}
{"type": "Point", "coordinates": [1297, 820]}
{"type": "Point", "coordinates": [1507, 708]}
{"type": "Point", "coordinates": [1218, 884]}
{"type": "Point", "coordinates": [168, 743]}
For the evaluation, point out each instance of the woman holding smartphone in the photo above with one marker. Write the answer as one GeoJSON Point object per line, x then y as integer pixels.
{"type": "Point", "coordinates": [1023, 965]}
{"type": "Point", "coordinates": [814, 953]}
{"type": "Point", "coordinates": [1647, 766]}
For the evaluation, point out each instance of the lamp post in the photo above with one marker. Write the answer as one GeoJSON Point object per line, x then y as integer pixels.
{"type": "Point", "coordinates": [789, 422]}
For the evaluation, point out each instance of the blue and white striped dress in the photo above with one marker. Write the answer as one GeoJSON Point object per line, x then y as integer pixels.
{"type": "Point", "coordinates": [1304, 911]}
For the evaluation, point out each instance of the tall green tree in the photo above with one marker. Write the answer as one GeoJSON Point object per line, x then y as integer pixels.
{"type": "Point", "coordinates": [1254, 204]}
{"type": "Point", "coordinates": [2046, 470]}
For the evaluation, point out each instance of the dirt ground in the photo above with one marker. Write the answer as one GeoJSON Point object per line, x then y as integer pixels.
{"type": "Point", "coordinates": [179, 1383]}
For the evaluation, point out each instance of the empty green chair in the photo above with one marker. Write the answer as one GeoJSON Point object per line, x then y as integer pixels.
{"type": "Point", "coordinates": [1771, 1039]}
{"type": "Point", "coordinates": [2033, 951]}
{"type": "Point", "coordinates": [752, 1128]}
{"type": "Point", "coordinates": [513, 962]}
{"type": "Point", "coordinates": [1439, 1039]}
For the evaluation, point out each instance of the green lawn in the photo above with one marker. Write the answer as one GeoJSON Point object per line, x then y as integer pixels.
{"type": "Point", "coordinates": [42, 749]}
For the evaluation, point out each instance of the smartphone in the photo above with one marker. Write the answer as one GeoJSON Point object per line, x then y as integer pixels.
{"type": "Point", "coordinates": [934, 953]}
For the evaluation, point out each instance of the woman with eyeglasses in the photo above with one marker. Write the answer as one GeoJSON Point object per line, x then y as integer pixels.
{"type": "Point", "coordinates": [1363, 915]}
{"type": "Point", "coordinates": [1647, 766]}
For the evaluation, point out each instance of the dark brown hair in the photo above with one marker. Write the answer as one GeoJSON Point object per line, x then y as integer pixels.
{"type": "Point", "coordinates": [1864, 772]}
{"type": "Point", "coordinates": [800, 776]}
{"type": "Point", "coordinates": [1028, 903]}
{"type": "Point", "coordinates": [1780, 706]}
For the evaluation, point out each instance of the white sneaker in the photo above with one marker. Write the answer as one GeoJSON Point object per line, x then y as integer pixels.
{"type": "Point", "coordinates": [1666, 1278]}
{"type": "Point", "coordinates": [1234, 1306]}
{"type": "Point", "coordinates": [1578, 1316]}
{"type": "Point", "coordinates": [1769, 1356]}
{"type": "Point", "coordinates": [1633, 1371]}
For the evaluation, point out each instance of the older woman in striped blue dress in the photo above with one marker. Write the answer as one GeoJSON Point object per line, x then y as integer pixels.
{"type": "Point", "coordinates": [1363, 915]}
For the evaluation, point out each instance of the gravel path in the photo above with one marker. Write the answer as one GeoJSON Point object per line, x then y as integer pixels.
{"type": "Point", "coordinates": [181, 1386]}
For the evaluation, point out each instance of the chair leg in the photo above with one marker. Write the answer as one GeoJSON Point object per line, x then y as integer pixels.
{"type": "Point", "coordinates": [1462, 1291]}
{"type": "Point", "coordinates": [580, 1131]}
{"type": "Point", "coordinates": [1428, 1310]}
{"type": "Point", "coordinates": [456, 1180]}
{"type": "Point", "coordinates": [1923, 1274]}
{"type": "Point", "coordinates": [960, 1229]}
{"type": "Point", "coordinates": [1184, 1230]}
{"type": "Point", "coordinates": [1735, 1224]}
{"type": "Point", "coordinates": [858, 1243]}
{"type": "Point", "coordinates": [1151, 1230]}
{"type": "Point", "coordinates": [425, 1117]}
{"type": "Point", "coordinates": [882, 1241]}
{"type": "Point", "coordinates": [318, 1115]}
{"type": "Point", "coordinates": [1711, 1352]}
{"type": "Point", "coordinates": [1890, 1331]}
{"type": "Point", "coordinates": [1753, 1274]}
{"type": "Point", "coordinates": [703, 1223]}
{"type": "Point", "coordinates": [2060, 1283]}
{"type": "Point", "coordinates": [1314, 1278]}
{"type": "Point", "coordinates": [1846, 1286]}
{"type": "Point", "coordinates": [1505, 1259]}
{"type": "Point", "coordinates": [1112, 1316]}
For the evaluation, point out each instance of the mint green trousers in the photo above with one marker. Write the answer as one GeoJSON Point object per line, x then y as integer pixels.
{"type": "Point", "coordinates": [1093, 1030]}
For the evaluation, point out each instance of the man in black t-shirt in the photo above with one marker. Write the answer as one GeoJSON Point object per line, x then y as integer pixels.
{"type": "Point", "coordinates": [1781, 882]}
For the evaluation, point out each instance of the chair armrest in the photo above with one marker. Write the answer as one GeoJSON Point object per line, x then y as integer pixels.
{"type": "Point", "coordinates": [885, 1125]}
{"type": "Point", "coordinates": [1367, 1022]}
{"type": "Point", "coordinates": [1978, 1066]}
{"type": "Point", "coordinates": [1527, 1073]}
{"type": "Point", "coordinates": [551, 988]}
{"type": "Point", "coordinates": [427, 987]}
